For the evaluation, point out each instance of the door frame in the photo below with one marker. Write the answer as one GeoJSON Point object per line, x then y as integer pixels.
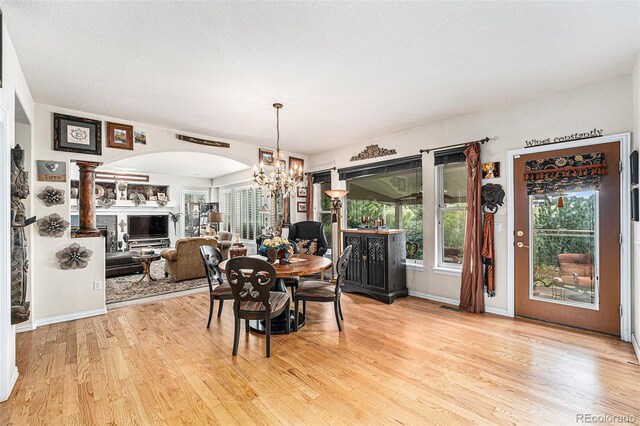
{"type": "Point", "coordinates": [625, 221]}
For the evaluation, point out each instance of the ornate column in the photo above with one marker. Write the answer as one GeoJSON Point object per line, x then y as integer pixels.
{"type": "Point", "coordinates": [86, 199]}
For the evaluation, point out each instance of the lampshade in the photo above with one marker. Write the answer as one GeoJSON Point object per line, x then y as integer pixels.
{"type": "Point", "coordinates": [336, 193]}
{"type": "Point", "coordinates": [215, 217]}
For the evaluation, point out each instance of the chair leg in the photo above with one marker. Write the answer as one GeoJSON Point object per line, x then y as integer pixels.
{"type": "Point", "coordinates": [210, 310]}
{"type": "Point", "coordinates": [221, 302]}
{"type": "Point", "coordinates": [340, 309]}
{"type": "Point", "coordinates": [236, 335]}
{"type": "Point", "coordinates": [288, 325]}
{"type": "Point", "coordinates": [337, 309]}
{"type": "Point", "coordinates": [295, 313]}
{"type": "Point", "coordinates": [246, 326]}
{"type": "Point", "coordinates": [268, 334]}
{"type": "Point", "coordinates": [304, 307]}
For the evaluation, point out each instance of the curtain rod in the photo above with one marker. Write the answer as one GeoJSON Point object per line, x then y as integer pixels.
{"type": "Point", "coordinates": [480, 141]}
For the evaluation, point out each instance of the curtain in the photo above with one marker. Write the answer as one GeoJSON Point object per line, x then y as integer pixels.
{"type": "Point", "coordinates": [569, 173]}
{"type": "Point", "coordinates": [488, 255]}
{"type": "Point", "coordinates": [309, 199]}
{"type": "Point", "coordinates": [472, 286]}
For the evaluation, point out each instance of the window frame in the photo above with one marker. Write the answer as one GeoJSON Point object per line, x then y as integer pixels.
{"type": "Point", "coordinates": [442, 266]}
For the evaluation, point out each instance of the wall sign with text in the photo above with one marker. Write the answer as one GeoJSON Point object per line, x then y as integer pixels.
{"type": "Point", "coordinates": [573, 137]}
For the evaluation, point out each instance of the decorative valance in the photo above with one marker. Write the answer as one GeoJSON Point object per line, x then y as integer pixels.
{"type": "Point", "coordinates": [569, 173]}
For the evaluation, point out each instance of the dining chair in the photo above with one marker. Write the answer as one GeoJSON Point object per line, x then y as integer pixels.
{"type": "Point", "coordinates": [251, 280]}
{"type": "Point", "coordinates": [321, 291]}
{"type": "Point", "coordinates": [218, 289]}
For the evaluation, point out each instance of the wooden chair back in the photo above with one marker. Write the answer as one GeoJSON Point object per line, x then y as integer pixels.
{"type": "Point", "coordinates": [251, 280]}
{"type": "Point", "coordinates": [341, 267]}
{"type": "Point", "coordinates": [211, 258]}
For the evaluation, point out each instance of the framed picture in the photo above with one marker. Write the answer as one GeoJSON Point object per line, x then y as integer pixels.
{"type": "Point", "coordinates": [302, 191]}
{"type": "Point", "coordinates": [265, 156]}
{"type": "Point", "coordinates": [77, 134]}
{"type": "Point", "coordinates": [302, 206]}
{"type": "Point", "coordinates": [490, 170]}
{"type": "Point", "coordinates": [140, 137]}
{"type": "Point", "coordinates": [296, 164]}
{"type": "Point", "coordinates": [162, 196]}
{"type": "Point", "coordinates": [51, 171]}
{"type": "Point", "coordinates": [635, 204]}
{"type": "Point", "coordinates": [119, 136]}
{"type": "Point", "coordinates": [633, 159]}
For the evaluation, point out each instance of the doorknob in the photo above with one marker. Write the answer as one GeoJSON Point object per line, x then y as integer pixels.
{"type": "Point", "coordinates": [519, 233]}
{"type": "Point", "coordinates": [520, 244]}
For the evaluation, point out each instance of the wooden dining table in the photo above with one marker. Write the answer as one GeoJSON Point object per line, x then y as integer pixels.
{"type": "Point", "coordinates": [298, 266]}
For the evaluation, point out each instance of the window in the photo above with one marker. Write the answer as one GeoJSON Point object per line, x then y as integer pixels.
{"type": "Point", "coordinates": [191, 200]}
{"type": "Point", "coordinates": [324, 212]}
{"type": "Point", "coordinates": [225, 208]}
{"type": "Point", "coordinates": [249, 202]}
{"type": "Point", "coordinates": [451, 214]}
{"type": "Point", "coordinates": [395, 196]}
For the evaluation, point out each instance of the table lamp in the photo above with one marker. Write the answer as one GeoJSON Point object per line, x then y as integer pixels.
{"type": "Point", "coordinates": [215, 217]}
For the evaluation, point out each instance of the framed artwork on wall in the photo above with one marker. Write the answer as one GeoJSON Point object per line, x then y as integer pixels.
{"type": "Point", "coordinates": [302, 206]}
{"type": "Point", "coordinates": [265, 157]}
{"type": "Point", "coordinates": [302, 192]}
{"type": "Point", "coordinates": [77, 134]}
{"type": "Point", "coordinates": [119, 136]}
{"type": "Point", "coordinates": [140, 137]}
{"type": "Point", "coordinates": [296, 164]}
{"type": "Point", "coordinates": [490, 170]}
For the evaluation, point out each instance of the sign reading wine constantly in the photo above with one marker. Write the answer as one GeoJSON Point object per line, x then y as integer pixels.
{"type": "Point", "coordinates": [203, 141]}
{"type": "Point", "coordinates": [572, 137]}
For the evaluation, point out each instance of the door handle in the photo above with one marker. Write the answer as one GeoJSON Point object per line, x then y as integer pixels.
{"type": "Point", "coordinates": [520, 244]}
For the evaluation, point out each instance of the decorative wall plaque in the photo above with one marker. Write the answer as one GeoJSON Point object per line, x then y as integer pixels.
{"type": "Point", "coordinates": [51, 171]}
{"type": "Point", "coordinates": [52, 226]}
{"type": "Point", "coordinates": [373, 151]}
{"type": "Point", "coordinates": [51, 196]}
{"type": "Point", "coordinates": [203, 141]}
{"type": "Point", "coordinates": [74, 257]}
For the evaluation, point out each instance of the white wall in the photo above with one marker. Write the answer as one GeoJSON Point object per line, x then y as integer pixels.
{"type": "Point", "coordinates": [14, 85]}
{"type": "Point", "coordinates": [635, 290]}
{"type": "Point", "coordinates": [606, 105]}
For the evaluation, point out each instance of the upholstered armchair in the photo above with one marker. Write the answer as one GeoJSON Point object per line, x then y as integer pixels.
{"type": "Point", "coordinates": [305, 234]}
{"type": "Point", "coordinates": [184, 261]}
{"type": "Point", "coordinates": [224, 243]}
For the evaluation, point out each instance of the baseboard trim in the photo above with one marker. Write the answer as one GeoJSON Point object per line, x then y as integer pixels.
{"type": "Point", "coordinates": [636, 346]}
{"type": "Point", "coordinates": [12, 382]}
{"type": "Point", "coordinates": [454, 302]}
{"type": "Point", "coordinates": [60, 318]}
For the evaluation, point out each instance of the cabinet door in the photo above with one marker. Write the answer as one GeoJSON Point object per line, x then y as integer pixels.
{"type": "Point", "coordinates": [354, 270]}
{"type": "Point", "coordinates": [375, 262]}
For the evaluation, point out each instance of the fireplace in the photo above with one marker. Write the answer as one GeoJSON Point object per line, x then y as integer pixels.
{"type": "Point", "coordinates": [108, 227]}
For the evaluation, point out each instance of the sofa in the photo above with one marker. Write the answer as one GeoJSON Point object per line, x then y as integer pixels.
{"type": "Point", "coordinates": [224, 243]}
{"type": "Point", "coordinates": [184, 262]}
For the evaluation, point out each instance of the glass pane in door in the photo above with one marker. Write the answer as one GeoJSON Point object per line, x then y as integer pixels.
{"type": "Point", "coordinates": [564, 254]}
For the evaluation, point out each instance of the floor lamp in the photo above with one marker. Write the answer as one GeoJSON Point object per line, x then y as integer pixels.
{"type": "Point", "coordinates": [336, 217]}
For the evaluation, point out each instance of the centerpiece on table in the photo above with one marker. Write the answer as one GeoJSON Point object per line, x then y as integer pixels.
{"type": "Point", "coordinates": [277, 248]}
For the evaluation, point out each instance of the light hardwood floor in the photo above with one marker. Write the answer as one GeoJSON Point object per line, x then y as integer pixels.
{"type": "Point", "coordinates": [411, 363]}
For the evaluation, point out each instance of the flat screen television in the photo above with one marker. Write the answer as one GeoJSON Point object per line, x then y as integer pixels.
{"type": "Point", "coordinates": [148, 226]}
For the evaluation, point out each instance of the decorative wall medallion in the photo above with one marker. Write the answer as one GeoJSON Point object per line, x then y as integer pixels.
{"type": "Point", "coordinates": [492, 197]}
{"type": "Point", "coordinates": [52, 226]}
{"type": "Point", "coordinates": [373, 151]}
{"type": "Point", "coordinates": [137, 199]}
{"type": "Point", "coordinates": [51, 196]}
{"type": "Point", "coordinates": [74, 257]}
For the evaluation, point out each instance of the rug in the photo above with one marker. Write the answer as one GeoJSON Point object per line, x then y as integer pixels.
{"type": "Point", "coordinates": [123, 289]}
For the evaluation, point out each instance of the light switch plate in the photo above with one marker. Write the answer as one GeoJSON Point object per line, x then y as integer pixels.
{"type": "Point", "coordinates": [97, 285]}
{"type": "Point", "coordinates": [498, 226]}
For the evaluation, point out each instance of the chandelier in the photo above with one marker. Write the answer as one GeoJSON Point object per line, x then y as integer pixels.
{"type": "Point", "coordinates": [274, 178]}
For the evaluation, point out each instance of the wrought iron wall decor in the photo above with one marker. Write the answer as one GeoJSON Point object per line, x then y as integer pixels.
{"type": "Point", "coordinates": [573, 172]}
{"type": "Point", "coordinates": [492, 197]}
{"type": "Point", "coordinates": [74, 257]}
{"type": "Point", "coordinates": [52, 226]}
{"type": "Point", "coordinates": [20, 308]}
{"type": "Point", "coordinates": [373, 151]}
{"type": "Point", "coordinates": [51, 196]}
{"type": "Point", "coordinates": [573, 137]}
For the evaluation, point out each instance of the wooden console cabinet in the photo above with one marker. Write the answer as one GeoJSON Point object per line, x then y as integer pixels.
{"type": "Point", "coordinates": [377, 263]}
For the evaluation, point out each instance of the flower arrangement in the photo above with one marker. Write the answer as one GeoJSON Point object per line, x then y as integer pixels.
{"type": "Point", "coordinates": [277, 248]}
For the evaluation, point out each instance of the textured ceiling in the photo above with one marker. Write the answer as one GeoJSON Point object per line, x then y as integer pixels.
{"type": "Point", "coordinates": [345, 71]}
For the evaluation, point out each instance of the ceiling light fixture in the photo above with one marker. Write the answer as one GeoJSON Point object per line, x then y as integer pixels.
{"type": "Point", "coordinates": [275, 179]}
